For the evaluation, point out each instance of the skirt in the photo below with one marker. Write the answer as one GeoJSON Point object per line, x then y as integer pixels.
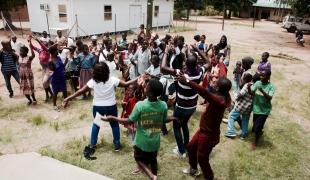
{"type": "Point", "coordinates": [26, 81]}
{"type": "Point", "coordinates": [85, 76]}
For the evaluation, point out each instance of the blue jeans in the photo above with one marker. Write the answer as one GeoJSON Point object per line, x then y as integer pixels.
{"type": "Point", "coordinates": [234, 116]}
{"type": "Point", "coordinates": [7, 77]}
{"type": "Point", "coordinates": [106, 110]}
{"type": "Point", "coordinates": [183, 116]}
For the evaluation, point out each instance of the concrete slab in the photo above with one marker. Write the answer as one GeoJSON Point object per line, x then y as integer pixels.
{"type": "Point", "coordinates": [33, 166]}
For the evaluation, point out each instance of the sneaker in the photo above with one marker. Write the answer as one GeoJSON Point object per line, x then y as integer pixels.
{"type": "Point", "coordinates": [177, 152]}
{"type": "Point", "coordinates": [225, 120]}
{"type": "Point", "coordinates": [117, 149]}
{"type": "Point", "coordinates": [191, 171]}
{"type": "Point", "coordinates": [88, 151]}
{"type": "Point", "coordinates": [230, 136]}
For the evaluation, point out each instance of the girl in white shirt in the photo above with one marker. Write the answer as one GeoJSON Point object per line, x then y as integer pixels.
{"type": "Point", "coordinates": [104, 103]}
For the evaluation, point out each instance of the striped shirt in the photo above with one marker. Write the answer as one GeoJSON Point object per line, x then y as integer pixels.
{"type": "Point", "coordinates": [8, 62]}
{"type": "Point", "coordinates": [186, 97]}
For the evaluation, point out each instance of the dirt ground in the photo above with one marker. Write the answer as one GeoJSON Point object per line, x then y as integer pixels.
{"type": "Point", "coordinates": [18, 134]}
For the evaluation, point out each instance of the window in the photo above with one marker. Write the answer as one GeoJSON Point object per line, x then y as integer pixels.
{"type": "Point", "coordinates": [62, 10]}
{"type": "Point", "coordinates": [156, 11]}
{"type": "Point", "coordinates": [107, 13]}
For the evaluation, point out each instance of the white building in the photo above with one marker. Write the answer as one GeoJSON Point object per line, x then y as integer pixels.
{"type": "Point", "coordinates": [95, 16]}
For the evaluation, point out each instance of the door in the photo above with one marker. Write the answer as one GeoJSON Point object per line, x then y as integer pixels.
{"type": "Point", "coordinates": [135, 16]}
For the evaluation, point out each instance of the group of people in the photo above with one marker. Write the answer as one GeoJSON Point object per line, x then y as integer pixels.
{"type": "Point", "coordinates": [156, 74]}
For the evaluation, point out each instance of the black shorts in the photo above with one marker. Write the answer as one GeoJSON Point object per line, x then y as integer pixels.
{"type": "Point", "coordinates": [145, 157]}
{"type": "Point", "coordinates": [259, 122]}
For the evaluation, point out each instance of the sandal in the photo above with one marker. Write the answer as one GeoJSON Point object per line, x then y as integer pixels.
{"type": "Point", "coordinates": [136, 171]}
{"type": "Point", "coordinates": [88, 151]}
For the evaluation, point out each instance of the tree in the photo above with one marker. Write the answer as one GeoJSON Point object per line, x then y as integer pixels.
{"type": "Point", "coordinates": [187, 5]}
{"type": "Point", "coordinates": [230, 5]}
{"type": "Point", "coordinates": [300, 7]}
{"type": "Point", "coordinates": [8, 5]}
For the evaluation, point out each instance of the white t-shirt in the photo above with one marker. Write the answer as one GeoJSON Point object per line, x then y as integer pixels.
{"type": "Point", "coordinates": [45, 40]}
{"type": "Point", "coordinates": [153, 71]}
{"type": "Point", "coordinates": [104, 93]}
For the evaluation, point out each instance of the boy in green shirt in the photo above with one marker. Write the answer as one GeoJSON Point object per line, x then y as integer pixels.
{"type": "Point", "coordinates": [149, 115]}
{"type": "Point", "coordinates": [263, 91]}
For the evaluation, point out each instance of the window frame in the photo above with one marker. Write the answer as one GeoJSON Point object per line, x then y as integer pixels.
{"type": "Point", "coordinates": [107, 16]}
{"type": "Point", "coordinates": [61, 14]}
{"type": "Point", "coordinates": [156, 12]}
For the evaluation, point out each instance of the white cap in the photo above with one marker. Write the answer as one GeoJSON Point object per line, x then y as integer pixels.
{"type": "Point", "coordinates": [94, 37]}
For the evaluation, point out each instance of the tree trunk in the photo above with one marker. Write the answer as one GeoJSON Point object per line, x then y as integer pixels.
{"type": "Point", "coordinates": [187, 13]}
{"type": "Point", "coordinates": [8, 19]}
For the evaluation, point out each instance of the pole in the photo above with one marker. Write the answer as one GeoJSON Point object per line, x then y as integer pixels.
{"type": "Point", "coordinates": [115, 25]}
{"type": "Point", "coordinates": [223, 21]}
{"type": "Point", "coordinates": [77, 26]}
{"type": "Point", "coordinates": [20, 23]}
{"type": "Point", "coordinates": [170, 22]}
{"type": "Point", "coordinates": [3, 22]}
{"type": "Point", "coordinates": [149, 18]}
{"type": "Point", "coordinates": [254, 14]}
{"type": "Point", "coordinates": [196, 23]}
{"type": "Point", "coordinates": [48, 25]}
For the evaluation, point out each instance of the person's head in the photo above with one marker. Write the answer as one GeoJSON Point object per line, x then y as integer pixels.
{"type": "Point", "coordinates": [247, 77]}
{"type": "Point", "coordinates": [124, 36]}
{"type": "Point", "coordinates": [145, 45]}
{"type": "Point", "coordinates": [238, 64]}
{"type": "Point", "coordinates": [265, 76]}
{"type": "Point", "coordinates": [85, 49]}
{"type": "Point", "coordinates": [131, 89]}
{"type": "Point", "coordinates": [142, 27]}
{"type": "Point", "coordinates": [155, 61]}
{"type": "Point", "coordinates": [223, 40]}
{"type": "Point", "coordinates": [53, 51]}
{"type": "Point", "coordinates": [197, 37]}
{"type": "Point", "coordinates": [191, 62]}
{"type": "Point", "coordinates": [79, 43]}
{"type": "Point", "coordinates": [107, 34]}
{"type": "Point", "coordinates": [216, 50]}
{"type": "Point", "coordinates": [6, 45]}
{"type": "Point", "coordinates": [44, 33]}
{"type": "Point", "coordinates": [23, 51]}
{"type": "Point", "coordinates": [223, 86]}
{"type": "Point", "coordinates": [101, 72]}
{"type": "Point", "coordinates": [72, 49]}
{"type": "Point", "coordinates": [203, 38]}
{"type": "Point", "coordinates": [153, 89]}
{"type": "Point", "coordinates": [14, 39]}
{"type": "Point", "coordinates": [94, 40]}
{"type": "Point", "coordinates": [247, 62]}
{"type": "Point", "coordinates": [59, 33]}
{"type": "Point", "coordinates": [265, 56]}
{"type": "Point", "coordinates": [180, 42]}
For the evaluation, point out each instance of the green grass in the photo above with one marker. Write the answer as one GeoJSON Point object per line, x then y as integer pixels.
{"type": "Point", "coordinates": [37, 120]}
{"type": "Point", "coordinates": [11, 110]}
{"type": "Point", "coordinates": [178, 29]}
{"type": "Point", "coordinates": [282, 153]}
{"type": "Point", "coordinates": [55, 126]}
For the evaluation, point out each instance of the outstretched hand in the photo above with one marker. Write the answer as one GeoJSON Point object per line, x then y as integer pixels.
{"type": "Point", "coordinates": [65, 102]}
{"type": "Point", "coordinates": [181, 78]}
{"type": "Point", "coordinates": [107, 118]}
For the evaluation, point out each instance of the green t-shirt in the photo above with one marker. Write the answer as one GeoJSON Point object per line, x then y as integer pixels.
{"type": "Point", "coordinates": [149, 117]}
{"type": "Point", "coordinates": [260, 104]}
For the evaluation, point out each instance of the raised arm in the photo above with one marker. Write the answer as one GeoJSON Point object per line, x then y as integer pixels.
{"type": "Point", "coordinates": [207, 64]}
{"type": "Point", "coordinates": [164, 68]}
{"type": "Point", "coordinates": [203, 92]}
{"type": "Point", "coordinates": [32, 53]}
{"type": "Point", "coordinates": [127, 83]}
{"type": "Point", "coordinates": [76, 94]}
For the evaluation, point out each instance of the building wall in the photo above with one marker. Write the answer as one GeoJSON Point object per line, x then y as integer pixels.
{"type": "Point", "coordinates": [20, 12]}
{"type": "Point", "coordinates": [38, 19]}
{"type": "Point", "coordinates": [90, 15]}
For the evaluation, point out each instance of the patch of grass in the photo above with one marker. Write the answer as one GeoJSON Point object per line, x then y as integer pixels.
{"type": "Point", "coordinates": [178, 29]}
{"type": "Point", "coordinates": [284, 56]}
{"type": "Point", "coordinates": [83, 115]}
{"type": "Point", "coordinates": [242, 24]}
{"type": "Point", "coordinates": [6, 136]}
{"type": "Point", "coordinates": [37, 120]}
{"type": "Point", "coordinates": [55, 126]}
{"type": "Point", "coordinates": [72, 154]}
{"type": "Point", "coordinates": [10, 110]}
